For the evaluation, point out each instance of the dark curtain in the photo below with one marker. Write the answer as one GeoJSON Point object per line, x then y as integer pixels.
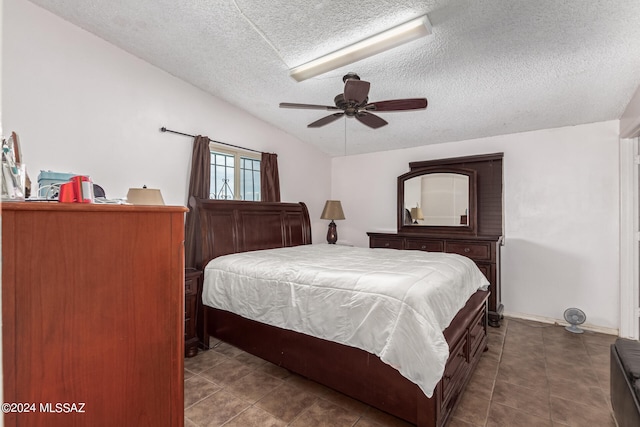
{"type": "Point", "coordinates": [199, 184]}
{"type": "Point", "coordinates": [269, 179]}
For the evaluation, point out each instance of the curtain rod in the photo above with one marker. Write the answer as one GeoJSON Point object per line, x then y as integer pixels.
{"type": "Point", "coordinates": [164, 129]}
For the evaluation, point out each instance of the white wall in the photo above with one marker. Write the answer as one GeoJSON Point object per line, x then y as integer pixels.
{"type": "Point", "coordinates": [561, 213]}
{"type": "Point", "coordinates": [82, 105]}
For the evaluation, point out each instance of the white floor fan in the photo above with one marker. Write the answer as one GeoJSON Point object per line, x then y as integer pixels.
{"type": "Point", "coordinates": [575, 317]}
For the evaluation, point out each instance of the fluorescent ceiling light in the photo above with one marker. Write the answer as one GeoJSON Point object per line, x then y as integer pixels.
{"type": "Point", "coordinates": [363, 49]}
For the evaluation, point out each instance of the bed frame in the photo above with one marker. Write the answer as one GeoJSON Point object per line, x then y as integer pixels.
{"type": "Point", "coordinates": [238, 226]}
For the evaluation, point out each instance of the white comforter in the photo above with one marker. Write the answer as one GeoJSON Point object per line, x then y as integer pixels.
{"type": "Point", "coordinates": [392, 303]}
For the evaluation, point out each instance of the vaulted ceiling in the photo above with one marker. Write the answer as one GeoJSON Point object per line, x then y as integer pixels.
{"type": "Point", "coordinates": [488, 68]}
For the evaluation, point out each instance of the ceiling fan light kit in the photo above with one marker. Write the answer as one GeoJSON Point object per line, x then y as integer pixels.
{"type": "Point", "coordinates": [381, 42]}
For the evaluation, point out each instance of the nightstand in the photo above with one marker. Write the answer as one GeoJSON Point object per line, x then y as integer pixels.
{"type": "Point", "coordinates": [192, 279]}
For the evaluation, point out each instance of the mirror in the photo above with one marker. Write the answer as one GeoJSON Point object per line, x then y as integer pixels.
{"type": "Point", "coordinates": [435, 198]}
{"type": "Point", "coordinates": [440, 199]}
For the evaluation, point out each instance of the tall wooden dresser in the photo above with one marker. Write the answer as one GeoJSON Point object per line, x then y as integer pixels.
{"type": "Point", "coordinates": [473, 229]}
{"type": "Point", "coordinates": [92, 312]}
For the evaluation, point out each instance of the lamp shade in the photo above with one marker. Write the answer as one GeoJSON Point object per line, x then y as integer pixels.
{"type": "Point", "coordinates": [416, 213]}
{"type": "Point", "coordinates": [332, 210]}
{"type": "Point", "coordinates": [145, 196]}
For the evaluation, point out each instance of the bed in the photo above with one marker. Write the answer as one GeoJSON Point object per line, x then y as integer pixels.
{"type": "Point", "coordinates": [230, 227]}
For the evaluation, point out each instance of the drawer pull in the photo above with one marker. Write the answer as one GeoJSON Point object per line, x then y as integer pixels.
{"type": "Point", "coordinates": [423, 247]}
{"type": "Point", "coordinates": [386, 245]}
{"type": "Point", "coordinates": [467, 250]}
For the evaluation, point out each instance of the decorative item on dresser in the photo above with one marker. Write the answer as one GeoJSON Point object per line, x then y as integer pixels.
{"type": "Point", "coordinates": [192, 291]}
{"type": "Point", "coordinates": [92, 299]}
{"type": "Point", "coordinates": [461, 203]}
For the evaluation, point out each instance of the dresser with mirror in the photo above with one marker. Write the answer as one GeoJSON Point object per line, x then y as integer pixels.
{"type": "Point", "coordinates": [453, 205]}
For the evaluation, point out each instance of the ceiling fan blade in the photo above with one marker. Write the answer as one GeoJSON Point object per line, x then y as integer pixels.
{"type": "Point", "coordinates": [325, 120]}
{"type": "Point", "coordinates": [356, 90]}
{"type": "Point", "coordinates": [370, 120]}
{"type": "Point", "coordinates": [307, 106]}
{"type": "Point", "coordinates": [398, 105]}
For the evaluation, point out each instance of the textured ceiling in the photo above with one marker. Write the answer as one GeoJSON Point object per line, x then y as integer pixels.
{"type": "Point", "coordinates": [489, 68]}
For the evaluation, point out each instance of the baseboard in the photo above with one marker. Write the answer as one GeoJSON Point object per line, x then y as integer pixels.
{"type": "Point", "coordinates": [552, 321]}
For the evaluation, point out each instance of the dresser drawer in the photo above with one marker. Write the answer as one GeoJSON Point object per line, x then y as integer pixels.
{"type": "Point", "coordinates": [455, 370]}
{"type": "Point", "coordinates": [190, 286]}
{"type": "Point", "coordinates": [190, 316]}
{"type": "Point", "coordinates": [477, 333]}
{"type": "Point", "coordinates": [473, 250]}
{"type": "Point", "coordinates": [486, 270]}
{"type": "Point", "coordinates": [188, 327]}
{"type": "Point", "coordinates": [190, 307]}
{"type": "Point", "coordinates": [386, 242]}
{"type": "Point", "coordinates": [425, 245]}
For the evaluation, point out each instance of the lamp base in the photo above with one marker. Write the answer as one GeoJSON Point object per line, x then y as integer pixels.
{"type": "Point", "coordinates": [332, 233]}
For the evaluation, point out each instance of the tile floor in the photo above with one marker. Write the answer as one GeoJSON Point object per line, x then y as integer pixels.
{"type": "Point", "coordinates": [533, 375]}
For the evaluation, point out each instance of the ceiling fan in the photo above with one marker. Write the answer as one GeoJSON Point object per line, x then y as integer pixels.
{"type": "Point", "coordinates": [354, 102]}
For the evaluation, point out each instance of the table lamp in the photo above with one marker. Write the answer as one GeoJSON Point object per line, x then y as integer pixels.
{"type": "Point", "coordinates": [416, 214]}
{"type": "Point", "coordinates": [145, 196]}
{"type": "Point", "coordinates": [333, 211]}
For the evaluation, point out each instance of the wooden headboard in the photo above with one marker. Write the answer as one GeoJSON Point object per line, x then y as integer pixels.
{"type": "Point", "coordinates": [231, 226]}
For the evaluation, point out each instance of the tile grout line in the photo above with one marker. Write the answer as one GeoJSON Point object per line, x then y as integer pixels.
{"type": "Point", "coordinates": [495, 378]}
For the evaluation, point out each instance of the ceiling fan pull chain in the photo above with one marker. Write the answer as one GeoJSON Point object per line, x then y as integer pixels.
{"type": "Point", "coordinates": [345, 136]}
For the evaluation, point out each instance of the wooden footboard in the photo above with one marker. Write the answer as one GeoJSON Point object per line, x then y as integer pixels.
{"type": "Point", "coordinates": [359, 374]}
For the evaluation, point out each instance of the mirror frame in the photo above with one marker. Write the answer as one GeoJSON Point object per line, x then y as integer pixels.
{"type": "Point", "coordinates": [422, 229]}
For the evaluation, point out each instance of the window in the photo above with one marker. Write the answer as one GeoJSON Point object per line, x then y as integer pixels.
{"type": "Point", "coordinates": [234, 175]}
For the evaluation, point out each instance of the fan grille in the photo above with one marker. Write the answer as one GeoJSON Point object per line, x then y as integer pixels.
{"type": "Point", "coordinates": [574, 316]}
